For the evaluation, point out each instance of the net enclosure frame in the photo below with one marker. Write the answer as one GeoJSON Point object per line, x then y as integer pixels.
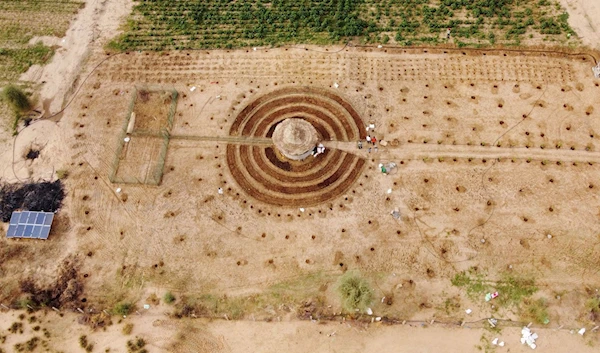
{"type": "Point", "coordinates": [30, 224]}
{"type": "Point", "coordinates": [154, 176]}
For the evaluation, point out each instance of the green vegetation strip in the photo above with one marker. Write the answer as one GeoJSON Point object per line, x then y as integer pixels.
{"type": "Point", "coordinates": [198, 24]}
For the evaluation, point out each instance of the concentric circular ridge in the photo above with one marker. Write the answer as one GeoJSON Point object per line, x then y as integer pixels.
{"type": "Point", "coordinates": [266, 175]}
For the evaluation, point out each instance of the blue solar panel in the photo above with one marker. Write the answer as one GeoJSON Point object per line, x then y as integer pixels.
{"type": "Point", "coordinates": [14, 218]}
{"type": "Point", "coordinates": [29, 224]}
{"type": "Point", "coordinates": [10, 233]}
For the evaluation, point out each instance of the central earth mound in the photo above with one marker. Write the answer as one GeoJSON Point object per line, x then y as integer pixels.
{"type": "Point", "coordinates": [295, 138]}
{"type": "Point", "coordinates": [264, 174]}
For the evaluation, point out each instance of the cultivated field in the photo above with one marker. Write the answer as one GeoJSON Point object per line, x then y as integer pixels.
{"type": "Point", "coordinates": [193, 24]}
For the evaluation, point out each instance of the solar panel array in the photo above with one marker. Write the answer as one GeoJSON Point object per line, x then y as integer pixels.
{"type": "Point", "coordinates": [30, 224]}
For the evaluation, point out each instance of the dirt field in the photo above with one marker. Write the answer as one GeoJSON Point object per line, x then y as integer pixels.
{"type": "Point", "coordinates": [491, 148]}
{"type": "Point", "coordinates": [497, 154]}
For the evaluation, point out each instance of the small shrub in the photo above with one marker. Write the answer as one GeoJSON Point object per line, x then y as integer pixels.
{"type": "Point", "coordinates": [16, 98]}
{"type": "Point", "coordinates": [62, 173]}
{"type": "Point", "coordinates": [140, 343]}
{"type": "Point", "coordinates": [354, 291]}
{"type": "Point", "coordinates": [127, 329]}
{"type": "Point", "coordinates": [123, 309]}
{"type": "Point", "coordinates": [83, 342]}
{"type": "Point", "coordinates": [169, 298]}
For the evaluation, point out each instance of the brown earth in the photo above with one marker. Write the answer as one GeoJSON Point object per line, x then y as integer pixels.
{"type": "Point", "coordinates": [490, 145]}
{"type": "Point", "coordinates": [494, 145]}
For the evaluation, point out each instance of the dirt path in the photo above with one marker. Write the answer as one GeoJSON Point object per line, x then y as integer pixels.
{"type": "Point", "coordinates": [421, 151]}
{"type": "Point", "coordinates": [163, 334]}
{"type": "Point", "coordinates": [228, 139]}
{"type": "Point", "coordinates": [584, 18]}
{"type": "Point", "coordinates": [98, 21]}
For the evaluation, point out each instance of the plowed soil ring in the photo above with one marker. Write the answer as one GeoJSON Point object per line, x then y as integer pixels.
{"type": "Point", "coordinates": [267, 176]}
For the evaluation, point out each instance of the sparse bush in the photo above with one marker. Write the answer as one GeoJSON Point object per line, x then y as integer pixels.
{"type": "Point", "coordinates": [535, 310]}
{"type": "Point", "coordinates": [354, 291]}
{"type": "Point", "coordinates": [137, 345]}
{"type": "Point", "coordinates": [593, 307]}
{"type": "Point", "coordinates": [169, 298]}
{"type": "Point", "coordinates": [16, 327]}
{"type": "Point", "coordinates": [28, 346]}
{"type": "Point", "coordinates": [83, 342]}
{"type": "Point", "coordinates": [16, 98]}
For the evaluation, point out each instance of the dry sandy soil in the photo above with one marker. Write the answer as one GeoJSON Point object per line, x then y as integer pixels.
{"type": "Point", "coordinates": [583, 18]}
{"type": "Point", "coordinates": [495, 151]}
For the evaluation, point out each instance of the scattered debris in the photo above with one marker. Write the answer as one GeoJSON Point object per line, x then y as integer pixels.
{"type": "Point", "coordinates": [383, 143]}
{"type": "Point", "coordinates": [396, 214]}
{"type": "Point", "coordinates": [378, 318]}
{"type": "Point", "coordinates": [127, 139]}
{"type": "Point", "coordinates": [220, 191]}
{"type": "Point", "coordinates": [501, 344]}
{"type": "Point", "coordinates": [389, 191]}
{"type": "Point", "coordinates": [528, 337]}
{"type": "Point", "coordinates": [495, 341]}
{"type": "Point", "coordinates": [490, 296]}
{"type": "Point", "coordinates": [146, 306]}
{"type": "Point", "coordinates": [335, 84]}
{"type": "Point", "coordinates": [383, 168]}
{"type": "Point", "coordinates": [582, 331]}
{"type": "Point", "coordinates": [369, 311]}
{"type": "Point", "coordinates": [301, 209]}
{"type": "Point", "coordinates": [193, 88]}
{"type": "Point", "coordinates": [549, 236]}
{"type": "Point", "coordinates": [468, 311]}
{"type": "Point", "coordinates": [492, 322]}
{"type": "Point", "coordinates": [118, 190]}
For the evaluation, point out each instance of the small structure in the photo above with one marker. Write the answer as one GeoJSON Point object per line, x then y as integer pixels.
{"type": "Point", "coordinates": [295, 138]}
{"type": "Point", "coordinates": [30, 224]}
